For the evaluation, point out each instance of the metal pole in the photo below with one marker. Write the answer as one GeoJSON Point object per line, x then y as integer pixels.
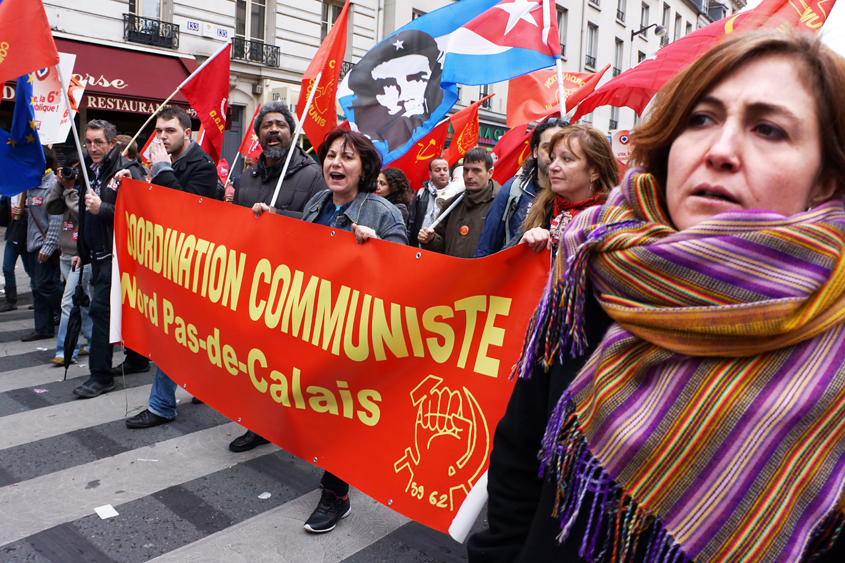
{"type": "Point", "coordinates": [561, 93]}
{"type": "Point", "coordinates": [75, 135]}
{"type": "Point", "coordinates": [448, 210]}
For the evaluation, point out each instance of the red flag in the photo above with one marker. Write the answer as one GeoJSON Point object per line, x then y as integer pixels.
{"type": "Point", "coordinates": [534, 96]}
{"type": "Point", "coordinates": [207, 89]}
{"type": "Point", "coordinates": [635, 87]}
{"type": "Point", "coordinates": [321, 117]}
{"type": "Point", "coordinates": [250, 146]}
{"type": "Point", "coordinates": [26, 42]}
{"type": "Point", "coordinates": [465, 131]}
{"type": "Point", "coordinates": [511, 151]}
{"type": "Point", "coordinates": [414, 163]}
{"type": "Point", "coordinates": [145, 150]}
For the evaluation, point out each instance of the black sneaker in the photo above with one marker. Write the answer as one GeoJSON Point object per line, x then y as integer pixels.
{"type": "Point", "coordinates": [126, 369]}
{"type": "Point", "coordinates": [93, 388]}
{"type": "Point", "coordinates": [328, 512]}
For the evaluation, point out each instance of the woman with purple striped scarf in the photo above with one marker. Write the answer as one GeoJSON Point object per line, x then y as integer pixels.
{"type": "Point", "coordinates": [693, 344]}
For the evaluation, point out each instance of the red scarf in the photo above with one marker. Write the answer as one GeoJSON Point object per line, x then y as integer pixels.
{"type": "Point", "coordinates": [566, 210]}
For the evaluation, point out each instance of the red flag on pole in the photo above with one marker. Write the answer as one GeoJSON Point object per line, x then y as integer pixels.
{"type": "Point", "coordinates": [250, 146]}
{"type": "Point", "coordinates": [511, 151]}
{"type": "Point", "coordinates": [26, 42]}
{"type": "Point", "coordinates": [321, 117]}
{"type": "Point", "coordinates": [465, 131]}
{"type": "Point", "coordinates": [414, 163]}
{"type": "Point", "coordinates": [535, 95]}
{"type": "Point", "coordinates": [635, 87]}
{"type": "Point", "coordinates": [207, 89]}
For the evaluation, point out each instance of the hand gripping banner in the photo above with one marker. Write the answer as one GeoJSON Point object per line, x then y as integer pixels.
{"type": "Point", "coordinates": [381, 363]}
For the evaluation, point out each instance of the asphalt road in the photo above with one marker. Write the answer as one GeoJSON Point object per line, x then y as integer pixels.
{"type": "Point", "coordinates": [179, 493]}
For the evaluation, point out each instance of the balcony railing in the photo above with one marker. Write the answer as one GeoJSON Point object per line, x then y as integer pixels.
{"type": "Point", "coordinates": [148, 31]}
{"type": "Point", "coordinates": [613, 124]}
{"type": "Point", "coordinates": [620, 15]}
{"type": "Point", "coordinates": [616, 71]}
{"type": "Point", "coordinates": [345, 67]}
{"type": "Point", "coordinates": [591, 61]}
{"type": "Point", "coordinates": [254, 52]}
{"type": "Point", "coordinates": [595, 3]}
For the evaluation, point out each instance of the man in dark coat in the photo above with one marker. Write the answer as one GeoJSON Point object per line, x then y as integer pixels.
{"type": "Point", "coordinates": [274, 126]}
{"type": "Point", "coordinates": [180, 164]}
{"type": "Point", "coordinates": [94, 244]}
{"type": "Point", "coordinates": [423, 210]}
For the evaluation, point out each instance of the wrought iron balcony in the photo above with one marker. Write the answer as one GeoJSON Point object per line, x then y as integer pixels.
{"type": "Point", "coordinates": [148, 31]}
{"type": "Point", "coordinates": [591, 61]}
{"type": "Point", "coordinates": [254, 52]}
{"type": "Point", "coordinates": [345, 67]}
{"type": "Point", "coordinates": [616, 71]}
{"type": "Point", "coordinates": [613, 125]}
{"type": "Point", "coordinates": [620, 15]}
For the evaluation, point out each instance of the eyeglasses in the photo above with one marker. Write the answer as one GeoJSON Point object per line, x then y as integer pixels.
{"type": "Point", "coordinates": [94, 143]}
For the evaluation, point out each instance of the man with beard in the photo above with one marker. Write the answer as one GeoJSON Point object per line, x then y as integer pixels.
{"type": "Point", "coordinates": [509, 209]}
{"type": "Point", "coordinates": [181, 164]}
{"type": "Point", "coordinates": [274, 125]}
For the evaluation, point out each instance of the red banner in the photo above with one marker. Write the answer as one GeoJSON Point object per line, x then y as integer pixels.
{"type": "Point", "coordinates": [355, 357]}
{"type": "Point", "coordinates": [465, 131]}
{"type": "Point", "coordinates": [536, 95]}
{"type": "Point", "coordinates": [415, 162]}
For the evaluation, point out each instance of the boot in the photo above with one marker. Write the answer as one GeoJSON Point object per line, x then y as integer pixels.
{"type": "Point", "coordinates": [11, 303]}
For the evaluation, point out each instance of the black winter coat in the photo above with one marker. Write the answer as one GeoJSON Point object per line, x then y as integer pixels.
{"type": "Point", "coordinates": [194, 173]}
{"type": "Point", "coordinates": [303, 180]}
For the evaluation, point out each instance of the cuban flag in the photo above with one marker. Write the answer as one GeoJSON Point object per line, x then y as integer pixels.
{"type": "Point", "coordinates": [403, 87]}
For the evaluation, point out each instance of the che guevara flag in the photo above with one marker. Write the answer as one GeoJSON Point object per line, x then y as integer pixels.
{"type": "Point", "coordinates": [207, 89]}
{"type": "Point", "coordinates": [250, 147]}
{"type": "Point", "coordinates": [635, 87]}
{"type": "Point", "coordinates": [465, 131]}
{"type": "Point", "coordinates": [321, 117]}
{"type": "Point", "coordinates": [534, 96]}
{"type": "Point", "coordinates": [511, 151]}
{"type": "Point", "coordinates": [414, 163]}
{"type": "Point", "coordinates": [26, 42]}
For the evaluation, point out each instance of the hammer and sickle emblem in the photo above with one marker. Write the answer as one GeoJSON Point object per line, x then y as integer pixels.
{"type": "Point", "coordinates": [424, 153]}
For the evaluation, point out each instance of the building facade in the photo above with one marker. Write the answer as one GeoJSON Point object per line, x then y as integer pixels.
{"type": "Point", "coordinates": [134, 53]}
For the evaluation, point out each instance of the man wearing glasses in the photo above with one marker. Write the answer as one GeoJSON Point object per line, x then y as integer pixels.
{"type": "Point", "coordinates": [96, 231]}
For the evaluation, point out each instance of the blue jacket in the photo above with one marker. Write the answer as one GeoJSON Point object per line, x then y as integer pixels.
{"type": "Point", "coordinates": [493, 233]}
{"type": "Point", "coordinates": [368, 210]}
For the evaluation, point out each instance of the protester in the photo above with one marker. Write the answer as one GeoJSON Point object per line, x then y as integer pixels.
{"type": "Point", "coordinates": [131, 149]}
{"type": "Point", "coordinates": [581, 173]}
{"type": "Point", "coordinates": [457, 235]}
{"type": "Point", "coordinates": [180, 164]}
{"type": "Point", "coordinates": [706, 424]}
{"type": "Point", "coordinates": [274, 125]}
{"type": "Point", "coordinates": [351, 167]}
{"type": "Point", "coordinates": [511, 205]}
{"type": "Point", "coordinates": [94, 244]}
{"type": "Point", "coordinates": [65, 203]}
{"type": "Point", "coordinates": [15, 245]}
{"type": "Point", "coordinates": [42, 242]}
{"type": "Point", "coordinates": [249, 162]}
{"type": "Point", "coordinates": [453, 188]}
{"type": "Point", "coordinates": [423, 211]}
{"type": "Point", "coordinates": [394, 187]}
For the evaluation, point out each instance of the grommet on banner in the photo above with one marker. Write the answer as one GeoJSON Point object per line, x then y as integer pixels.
{"type": "Point", "coordinates": [332, 233]}
{"type": "Point", "coordinates": [239, 419]}
{"type": "Point", "coordinates": [390, 502]}
{"type": "Point", "coordinates": [184, 386]}
{"type": "Point", "coordinates": [200, 200]}
{"type": "Point", "coordinates": [419, 255]}
{"type": "Point", "coordinates": [315, 460]}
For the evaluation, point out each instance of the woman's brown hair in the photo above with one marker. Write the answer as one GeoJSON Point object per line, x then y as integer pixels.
{"type": "Point", "coordinates": [599, 155]}
{"type": "Point", "coordinates": [823, 73]}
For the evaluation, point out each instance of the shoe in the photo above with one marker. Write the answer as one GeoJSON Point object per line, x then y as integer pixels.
{"type": "Point", "coordinates": [126, 369]}
{"type": "Point", "coordinates": [36, 336]}
{"type": "Point", "coordinates": [93, 388]}
{"type": "Point", "coordinates": [146, 419]}
{"type": "Point", "coordinates": [83, 351]}
{"type": "Point", "coordinates": [8, 306]}
{"type": "Point", "coordinates": [57, 361]}
{"type": "Point", "coordinates": [247, 442]}
{"type": "Point", "coordinates": [196, 401]}
{"type": "Point", "coordinates": [11, 303]}
{"type": "Point", "coordinates": [328, 512]}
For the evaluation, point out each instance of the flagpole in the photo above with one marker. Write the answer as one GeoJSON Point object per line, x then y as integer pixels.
{"type": "Point", "coordinates": [561, 93]}
{"type": "Point", "coordinates": [75, 135]}
{"type": "Point", "coordinates": [170, 97]}
{"type": "Point", "coordinates": [229, 175]}
{"type": "Point", "coordinates": [296, 137]}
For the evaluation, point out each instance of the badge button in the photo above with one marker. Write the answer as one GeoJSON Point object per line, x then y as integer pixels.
{"type": "Point", "coordinates": [464, 230]}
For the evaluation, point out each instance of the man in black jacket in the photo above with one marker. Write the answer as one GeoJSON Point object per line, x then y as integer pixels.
{"type": "Point", "coordinates": [96, 232]}
{"type": "Point", "coordinates": [274, 126]}
{"type": "Point", "coordinates": [423, 210]}
{"type": "Point", "coordinates": [180, 164]}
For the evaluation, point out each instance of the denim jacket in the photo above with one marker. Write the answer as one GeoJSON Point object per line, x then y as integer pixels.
{"type": "Point", "coordinates": [368, 210]}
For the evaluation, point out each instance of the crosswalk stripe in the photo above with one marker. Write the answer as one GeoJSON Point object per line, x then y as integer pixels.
{"type": "Point", "coordinates": [42, 374]}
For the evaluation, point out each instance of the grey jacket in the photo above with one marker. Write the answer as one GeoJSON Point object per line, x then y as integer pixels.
{"type": "Point", "coordinates": [41, 221]}
{"type": "Point", "coordinates": [368, 210]}
{"type": "Point", "coordinates": [65, 203]}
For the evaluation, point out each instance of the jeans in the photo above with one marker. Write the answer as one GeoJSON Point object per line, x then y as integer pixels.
{"type": "Point", "coordinates": [46, 293]}
{"type": "Point", "coordinates": [163, 396]}
{"type": "Point", "coordinates": [71, 280]}
{"type": "Point", "coordinates": [100, 352]}
{"type": "Point", "coordinates": [10, 258]}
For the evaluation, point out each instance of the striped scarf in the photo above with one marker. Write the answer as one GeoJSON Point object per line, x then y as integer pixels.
{"type": "Point", "coordinates": [712, 413]}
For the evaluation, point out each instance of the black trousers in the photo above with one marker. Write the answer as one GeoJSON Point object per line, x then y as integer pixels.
{"type": "Point", "coordinates": [100, 351]}
{"type": "Point", "coordinates": [335, 485]}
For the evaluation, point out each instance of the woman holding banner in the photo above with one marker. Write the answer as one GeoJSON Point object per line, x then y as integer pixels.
{"type": "Point", "coordinates": [708, 422]}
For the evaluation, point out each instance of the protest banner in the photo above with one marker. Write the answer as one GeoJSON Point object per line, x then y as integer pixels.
{"type": "Point", "coordinates": [381, 363]}
{"type": "Point", "coordinates": [52, 116]}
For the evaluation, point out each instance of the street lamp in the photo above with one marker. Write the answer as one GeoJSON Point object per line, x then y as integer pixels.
{"type": "Point", "coordinates": [659, 31]}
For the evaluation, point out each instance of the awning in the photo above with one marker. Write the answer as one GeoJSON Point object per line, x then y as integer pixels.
{"type": "Point", "coordinates": [123, 79]}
